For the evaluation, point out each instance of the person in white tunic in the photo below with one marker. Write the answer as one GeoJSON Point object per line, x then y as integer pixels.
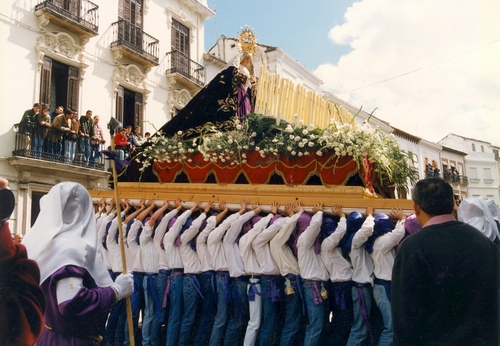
{"type": "Point", "coordinates": [336, 331]}
{"type": "Point", "coordinates": [314, 275]}
{"type": "Point", "coordinates": [289, 269]}
{"type": "Point", "coordinates": [381, 246]}
{"type": "Point", "coordinates": [254, 290]}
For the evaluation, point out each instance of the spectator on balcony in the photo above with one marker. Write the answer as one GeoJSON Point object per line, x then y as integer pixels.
{"type": "Point", "coordinates": [59, 110]}
{"type": "Point", "coordinates": [86, 132]}
{"type": "Point", "coordinates": [71, 137]}
{"type": "Point", "coordinates": [137, 139]}
{"type": "Point", "coordinates": [27, 123]}
{"type": "Point", "coordinates": [96, 140]}
{"type": "Point", "coordinates": [121, 144]}
{"type": "Point", "coordinates": [42, 125]}
{"type": "Point", "coordinates": [130, 138]}
{"type": "Point", "coordinates": [56, 132]}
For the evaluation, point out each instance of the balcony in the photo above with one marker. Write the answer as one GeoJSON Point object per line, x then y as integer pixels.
{"type": "Point", "coordinates": [134, 44]}
{"type": "Point", "coordinates": [488, 181]}
{"type": "Point", "coordinates": [78, 16]}
{"type": "Point", "coordinates": [184, 70]}
{"type": "Point", "coordinates": [44, 159]}
{"type": "Point", "coordinates": [464, 180]}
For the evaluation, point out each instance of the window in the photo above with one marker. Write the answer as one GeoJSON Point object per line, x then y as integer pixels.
{"type": "Point", "coordinates": [180, 48]}
{"type": "Point", "coordinates": [473, 174]}
{"type": "Point", "coordinates": [59, 84]}
{"type": "Point", "coordinates": [473, 147]}
{"type": "Point", "coordinates": [130, 11]}
{"type": "Point", "coordinates": [482, 149]}
{"type": "Point", "coordinates": [129, 107]}
{"type": "Point", "coordinates": [487, 173]}
{"type": "Point", "coordinates": [180, 38]}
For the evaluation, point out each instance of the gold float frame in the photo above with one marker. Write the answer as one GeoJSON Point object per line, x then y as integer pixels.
{"type": "Point", "coordinates": [349, 197]}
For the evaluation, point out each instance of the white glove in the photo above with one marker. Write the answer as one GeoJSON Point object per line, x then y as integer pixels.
{"type": "Point", "coordinates": [123, 286]}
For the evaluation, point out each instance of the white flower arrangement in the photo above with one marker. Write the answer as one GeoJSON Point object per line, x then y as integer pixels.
{"type": "Point", "coordinates": [275, 141]}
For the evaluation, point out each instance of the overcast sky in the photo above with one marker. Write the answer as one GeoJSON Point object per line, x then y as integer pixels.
{"type": "Point", "coordinates": [428, 67]}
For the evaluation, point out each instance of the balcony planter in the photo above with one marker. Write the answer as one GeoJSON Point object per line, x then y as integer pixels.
{"type": "Point", "coordinates": [296, 170]}
{"type": "Point", "coordinates": [334, 170]}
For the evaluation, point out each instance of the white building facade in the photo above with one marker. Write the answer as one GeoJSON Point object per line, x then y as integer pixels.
{"type": "Point", "coordinates": [481, 166]}
{"type": "Point", "coordinates": [134, 60]}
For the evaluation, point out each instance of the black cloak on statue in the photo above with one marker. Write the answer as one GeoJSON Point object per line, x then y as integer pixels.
{"type": "Point", "coordinates": [215, 104]}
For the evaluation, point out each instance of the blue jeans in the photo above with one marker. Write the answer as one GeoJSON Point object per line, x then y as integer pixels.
{"type": "Point", "coordinates": [219, 328]}
{"type": "Point", "coordinates": [191, 298]}
{"type": "Point", "coordinates": [293, 312]}
{"type": "Point", "coordinates": [174, 310]}
{"type": "Point", "coordinates": [112, 327]}
{"type": "Point", "coordinates": [137, 303]}
{"type": "Point", "coordinates": [54, 148]}
{"type": "Point", "coordinates": [94, 153]}
{"type": "Point", "coordinates": [208, 309]}
{"type": "Point", "coordinates": [160, 285]}
{"type": "Point", "coordinates": [150, 326]}
{"type": "Point", "coordinates": [360, 329]}
{"type": "Point", "coordinates": [270, 311]}
{"type": "Point", "coordinates": [69, 150]}
{"type": "Point", "coordinates": [84, 148]}
{"type": "Point", "coordinates": [315, 312]}
{"type": "Point", "coordinates": [37, 146]}
{"type": "Point", "coordinates": [238, 313]}
{"type": "Point", "coordinates": [384, 305]}
{"type": "Point", "coordinates": [336, 332]}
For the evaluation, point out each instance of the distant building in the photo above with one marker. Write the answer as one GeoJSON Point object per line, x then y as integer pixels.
{"type": "Point", "coordinates": [276, 60]}
{"type": "Point", "coordinates": [481, 165]}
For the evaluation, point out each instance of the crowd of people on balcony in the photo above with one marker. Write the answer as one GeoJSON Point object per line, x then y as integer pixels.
{"type": "Point", "coordinates": [451, 174]}
{"type": "Point", "coordinates": [215, 276]}
{"type": "Point", "coordinates": [431, 171]}
{"type": "Point", "coordinates": [61, 135]}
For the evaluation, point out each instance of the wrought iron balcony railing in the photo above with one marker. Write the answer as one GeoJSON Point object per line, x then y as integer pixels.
{"type": "Point", "coordinates": [131, 37]}
{"type": "Point", "coordinates": [178, 62]}
{"type": "Point", "coordinates": [26, 147]}
{"type": "Point", "coordinates": [81, 13]}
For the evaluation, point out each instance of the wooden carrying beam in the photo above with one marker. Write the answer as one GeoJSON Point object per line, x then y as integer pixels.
{"type": "Point", "coordinates": [349, 197]}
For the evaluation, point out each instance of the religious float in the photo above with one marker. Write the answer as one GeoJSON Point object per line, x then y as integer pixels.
{"type": "Point", "coordinates": [292, 145]}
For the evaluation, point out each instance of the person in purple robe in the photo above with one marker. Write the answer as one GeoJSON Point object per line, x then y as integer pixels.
{"type": "Point", "coordinates": [74, 279]}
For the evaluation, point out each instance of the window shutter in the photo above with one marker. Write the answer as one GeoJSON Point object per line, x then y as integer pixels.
{"type": "Point", "coordinates": [73, 87]}
{"type": "Point", "coordinates": [119, 104]}
{"type": "Point", "coordinates": [45, 81]}
{"type": "Point", "coordinates": [138, 116]}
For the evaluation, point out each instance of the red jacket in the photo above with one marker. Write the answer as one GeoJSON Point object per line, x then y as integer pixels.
{"type": "Point", "coordinates": [120, 140]}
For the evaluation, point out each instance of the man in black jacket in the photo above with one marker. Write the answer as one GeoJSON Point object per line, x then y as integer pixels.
{"type": "Point", "coordinates": [444, 286]}
{"type": "Point", "coordinates": [27, 124]}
